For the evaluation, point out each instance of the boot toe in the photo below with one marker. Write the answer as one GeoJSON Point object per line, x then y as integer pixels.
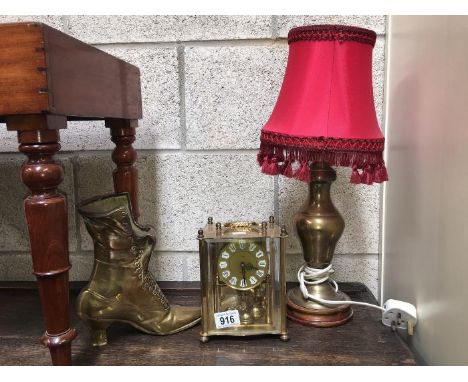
{"type": "Point", "coordinates": [184, 317]}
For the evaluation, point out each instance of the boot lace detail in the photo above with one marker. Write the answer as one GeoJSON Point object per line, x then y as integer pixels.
{"type": "Point", "coordinates": [148, 282]}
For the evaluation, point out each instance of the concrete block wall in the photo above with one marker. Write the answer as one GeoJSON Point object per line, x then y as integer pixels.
{"type": "Point", "coordinates": [209, 84]}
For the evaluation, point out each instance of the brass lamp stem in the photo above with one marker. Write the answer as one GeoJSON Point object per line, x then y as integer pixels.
{"type": "Point", "coordinates": [319, 226]}
{"type": "Point", "coordinates": [319, 194]}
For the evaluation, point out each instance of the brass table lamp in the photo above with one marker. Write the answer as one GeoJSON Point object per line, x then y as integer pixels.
{"type": "Point", "coordinates": [324, 116]}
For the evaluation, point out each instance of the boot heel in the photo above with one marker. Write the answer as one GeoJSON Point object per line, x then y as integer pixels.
{"type": "Point", "coordinates": [98, 331]}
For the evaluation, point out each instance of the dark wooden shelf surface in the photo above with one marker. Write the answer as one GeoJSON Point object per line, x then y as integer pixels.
{"type": "Point", "coordinates": [363, 341]}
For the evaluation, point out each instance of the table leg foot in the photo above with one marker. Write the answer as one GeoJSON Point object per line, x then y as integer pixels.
{"type": "Point", "coordinates": [59, 346]}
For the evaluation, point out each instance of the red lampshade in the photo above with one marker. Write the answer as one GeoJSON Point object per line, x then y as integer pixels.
{"type": "Point", "coordinates": [325, 110]}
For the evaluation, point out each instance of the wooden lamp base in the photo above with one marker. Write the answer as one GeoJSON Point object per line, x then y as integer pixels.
{"type": "Point", "coordinates": [322, 317]}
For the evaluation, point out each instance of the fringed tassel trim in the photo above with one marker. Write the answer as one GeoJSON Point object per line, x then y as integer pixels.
{"type": "Point", "coordinates": [368, 167]}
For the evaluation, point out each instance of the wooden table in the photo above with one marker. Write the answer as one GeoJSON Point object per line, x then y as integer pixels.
{"type": "Point", "coordinates": [362, 341]}
{"type": "Point", "coordinates": [46, 79]}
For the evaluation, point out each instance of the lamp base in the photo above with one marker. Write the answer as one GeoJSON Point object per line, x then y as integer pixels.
{"type": "Point", "coordinates": [310, 313]}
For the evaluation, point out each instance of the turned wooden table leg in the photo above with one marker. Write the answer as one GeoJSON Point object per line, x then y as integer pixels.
{"type": "Point", "coordinates": [46, 216]}
{"type": "Point", "coordinates": [124, 156]}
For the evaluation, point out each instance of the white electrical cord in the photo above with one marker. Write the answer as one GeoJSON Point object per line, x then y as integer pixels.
{"type": "Point", "coordinates": [396, 314]}
{"type": "Point", "coordinates": [313, 276]}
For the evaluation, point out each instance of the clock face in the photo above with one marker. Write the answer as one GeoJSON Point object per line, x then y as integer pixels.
{"type": "Point", "coordinates": [242, 264]}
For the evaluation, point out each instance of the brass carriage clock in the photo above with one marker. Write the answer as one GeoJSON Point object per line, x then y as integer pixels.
{"type": "Point", "coordinates": [243, 279]}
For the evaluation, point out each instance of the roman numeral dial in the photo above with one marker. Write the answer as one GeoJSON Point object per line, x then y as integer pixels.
{"type": "Point", "coordinates": [243, 264]}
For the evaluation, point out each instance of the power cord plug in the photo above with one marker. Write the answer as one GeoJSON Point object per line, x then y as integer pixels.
{"type": "Point", "coordinates": [399, 314]}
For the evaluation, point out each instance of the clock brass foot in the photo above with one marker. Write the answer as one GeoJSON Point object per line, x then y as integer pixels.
{"type": "Point", "coordinates": [204, 339]}
{"type": "Point", "coordinates": [284, 337]}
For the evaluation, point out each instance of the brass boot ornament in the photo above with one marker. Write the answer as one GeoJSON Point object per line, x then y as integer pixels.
{"type": "Point", "coordinates": [121, 288]}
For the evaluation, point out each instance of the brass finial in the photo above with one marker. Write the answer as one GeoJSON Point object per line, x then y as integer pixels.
{"type": "Point", "coordinates": [283, 231]}
{"type": "Point", "coordinates": [200, 234]}
{"type": "Point", "coordinates": [210, 220]}
{"type": "Point", "coordinates": [272, 219]}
